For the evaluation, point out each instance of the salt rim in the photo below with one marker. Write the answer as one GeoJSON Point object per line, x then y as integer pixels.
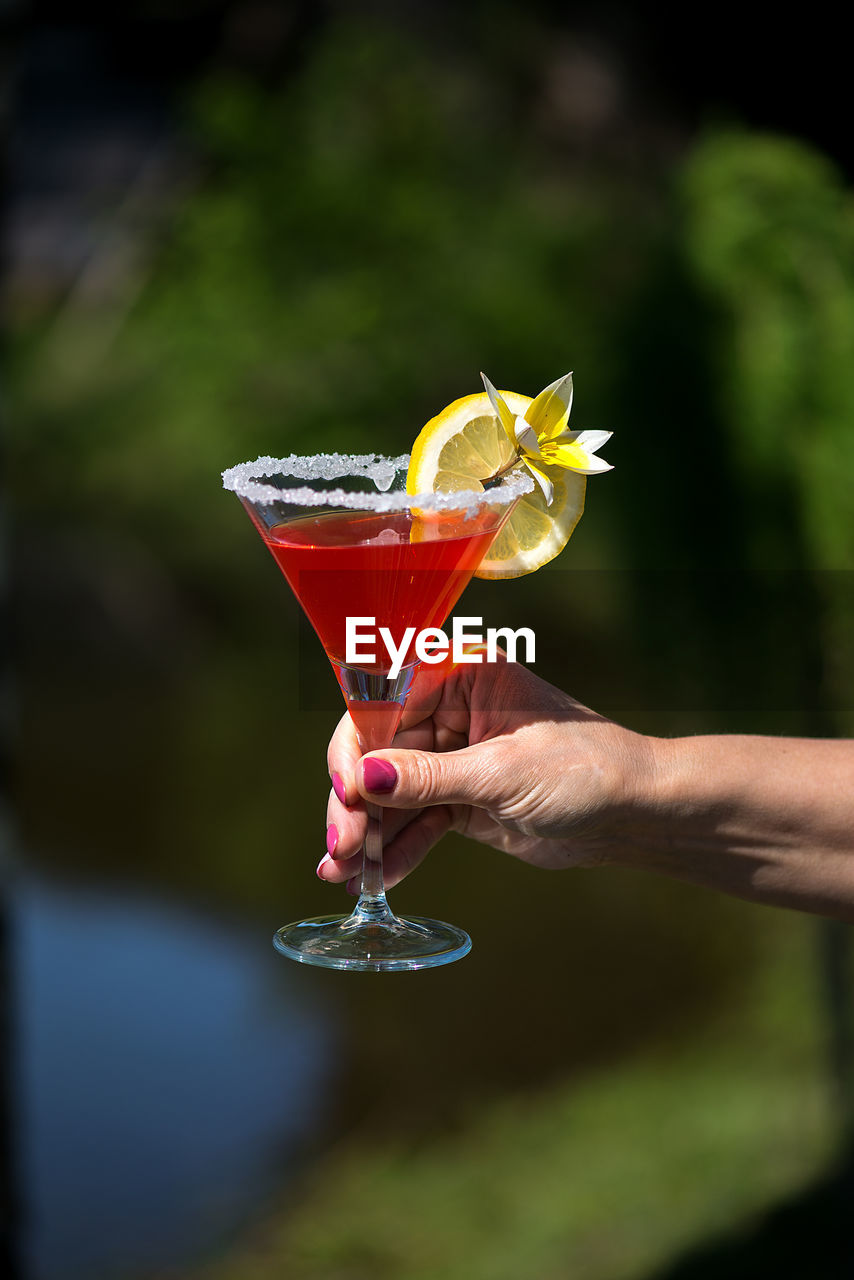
{"type": "Point", "coordinates": [241, 480]}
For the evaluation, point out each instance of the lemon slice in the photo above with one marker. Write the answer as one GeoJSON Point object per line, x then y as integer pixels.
{"type": "Point", "coordinates": [464, 445]}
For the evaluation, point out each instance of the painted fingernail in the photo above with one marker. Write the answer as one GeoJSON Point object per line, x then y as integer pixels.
{"type": "Point", "coordinates": [331, 838]}
{"type": "Point", "coordinates": [379, 775]}
{"type": "Point", "coordinates": [322, 865]}
{"type": "Point", "coordinates": [338, 788]}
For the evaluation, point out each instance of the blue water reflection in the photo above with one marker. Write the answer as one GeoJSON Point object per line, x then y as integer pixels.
{"type": "Point", "coordinates": [166, 1072]}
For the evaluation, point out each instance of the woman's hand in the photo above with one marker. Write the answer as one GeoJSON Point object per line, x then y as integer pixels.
{"type": "Point", "coordinates": [494, 752]}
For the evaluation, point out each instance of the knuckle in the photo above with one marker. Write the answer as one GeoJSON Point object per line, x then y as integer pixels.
{"type": "Point", "coordinates": [424, 778]}
{"type": "Point", "coordinates": [492, 766]}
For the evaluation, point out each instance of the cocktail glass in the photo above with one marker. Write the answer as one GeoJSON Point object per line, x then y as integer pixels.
{"type": "Point", "coordinates": [352, 543]}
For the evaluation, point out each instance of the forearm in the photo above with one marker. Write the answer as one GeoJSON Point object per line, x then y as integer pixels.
{"type": "Point", "coordinates": [770, 819]}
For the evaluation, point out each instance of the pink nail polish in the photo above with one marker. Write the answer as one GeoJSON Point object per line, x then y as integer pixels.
{"type": "Point", "coordinates": [331, 838]}
{"type": "Point", "coordinates": [379, 775]}
{"type": "Point", "coordinates": [338, 788]}
{"type": "Point", "coordinates": [321, 865]}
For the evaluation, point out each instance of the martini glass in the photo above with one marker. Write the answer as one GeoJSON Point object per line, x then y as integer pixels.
{"type": "Point", "coordinates": [353, 544]}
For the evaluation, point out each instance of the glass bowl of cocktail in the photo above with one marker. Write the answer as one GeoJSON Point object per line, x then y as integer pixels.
{"type": "Point", "coordinates": [375, 561]}
{"type": "Point", "coordinates": [353, 545]}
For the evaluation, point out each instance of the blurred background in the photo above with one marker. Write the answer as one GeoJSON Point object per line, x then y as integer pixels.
{"type": "Point", "coordinates": [250, 227]}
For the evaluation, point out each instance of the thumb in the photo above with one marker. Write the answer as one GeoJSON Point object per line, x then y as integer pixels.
{"type": "Point", "coordinates": [413, 779]}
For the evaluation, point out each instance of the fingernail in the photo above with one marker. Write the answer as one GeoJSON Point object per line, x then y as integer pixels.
{"type": "Point", "coordinates": [338, 788]}
{"type": "Point", "coordinates": [331, 838]}
{"type": "Point", "coordinates": [379, 775]}
{"type": "Point", "coordinates": [321, 866]}
{"type": "Point", "coordinates": [354, 887]}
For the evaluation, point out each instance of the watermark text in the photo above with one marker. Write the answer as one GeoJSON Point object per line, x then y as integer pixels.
{"type": "Point", "coordinates": [466, 643]}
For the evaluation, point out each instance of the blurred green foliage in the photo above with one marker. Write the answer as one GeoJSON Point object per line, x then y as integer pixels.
{"type": "Point", "coordinates": [354, 245]}
{"type": "Point", "coordinates": [353, 248]}
{"type": "Point", "coordinates": [770, 237]}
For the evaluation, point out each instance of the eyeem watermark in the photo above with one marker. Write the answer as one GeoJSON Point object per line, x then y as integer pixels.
{"type": "Point", "coordinates": [434, 645]}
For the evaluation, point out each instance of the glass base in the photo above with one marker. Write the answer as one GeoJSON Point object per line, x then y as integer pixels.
{"type": "Point", "coordinates": [348, 942]}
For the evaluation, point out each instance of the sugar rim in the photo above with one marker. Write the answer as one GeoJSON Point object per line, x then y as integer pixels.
{"type": "Point", "coordinates": [242, 480]}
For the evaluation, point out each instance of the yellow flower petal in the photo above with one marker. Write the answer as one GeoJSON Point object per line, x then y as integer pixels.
{"type": "Point", "coordinates": [549, 412]}
{"type": "Point", "coordinates": [574, 457]}
{"type": "Point", "coordinates": [505, 417]}
{"type": "Point", "coordinates": [542, 480]}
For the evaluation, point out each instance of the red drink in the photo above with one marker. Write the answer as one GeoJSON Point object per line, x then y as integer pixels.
{"type": "Point", "coordinates": [395, 567]}
{"type": "Point", "coordinates": [376, 722]}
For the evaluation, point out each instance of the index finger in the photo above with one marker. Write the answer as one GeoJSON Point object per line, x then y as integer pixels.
{"type": "Point", "coordinates": [344, 752]}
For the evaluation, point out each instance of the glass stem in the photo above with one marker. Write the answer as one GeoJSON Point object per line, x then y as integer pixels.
{"type": "Point", "coordinates": [375, 702]}
{"type": "Point", "coordinates": [372, 904]}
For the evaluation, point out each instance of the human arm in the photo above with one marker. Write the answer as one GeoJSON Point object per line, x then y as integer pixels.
{"type": "Point", "coordinates": [496, 753]}
{"type": "Point", "coordinates": [765, 818]}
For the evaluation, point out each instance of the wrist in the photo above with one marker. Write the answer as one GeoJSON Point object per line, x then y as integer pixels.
{"type": "Point", "coordinates": [656, 788]}
{"type": "Point", "coordinates": [630, 774]}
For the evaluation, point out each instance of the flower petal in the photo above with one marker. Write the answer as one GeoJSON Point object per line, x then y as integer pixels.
{"type": "Point", "coordinates": [549, 412]}
{"type": "Point", "coordinates": [526, 437]}
{"type": "Point", "coordinates": [574, 457]}
{"type": "Point", "coordinates": [593, 466]}
{"type": "Point", "coordinates": [592, 441]}
{"type": "Point", "coordinates": [505, 417]}
{"type": "Point", "coordinates": [542, 480]}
